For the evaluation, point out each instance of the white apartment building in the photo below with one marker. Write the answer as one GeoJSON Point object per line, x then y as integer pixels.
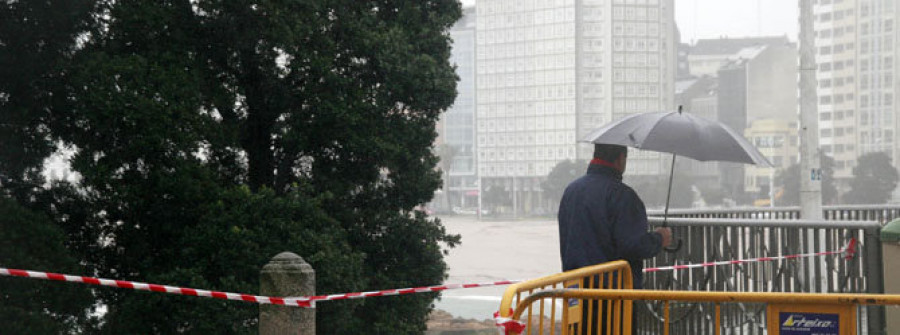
{"type": "Point", "coordinates": [858, 61]}
{"type": "Point", "coordinates": [457, 125]}
{"type": "Point", "coordinates": [550, 71]}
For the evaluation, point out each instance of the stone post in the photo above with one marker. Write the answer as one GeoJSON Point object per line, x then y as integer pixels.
{"type": "Point", "coordinates": [287, 275]}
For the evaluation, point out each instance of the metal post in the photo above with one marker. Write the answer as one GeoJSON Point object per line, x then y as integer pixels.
{"type": "Point", "coordinates": [874, 279]}
{"type": "Point", "coordinates": [480, 192]}
{"type": "Point", "coordinates": [287, 275]}
{"type": "Point", "coordinates": [579, 79]}
{"type": "Point", "coordinates": [772, 188]}
{"type": "Point", "coordinates": [811, 172]}
{"type": "Point", "coordinates": [515, 201]}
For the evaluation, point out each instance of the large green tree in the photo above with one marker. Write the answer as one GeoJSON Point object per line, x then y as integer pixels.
{"type": "Point", "coordinates": [211, 135]}
{"type": "Point", "coordinates": [874, 178]}
{"type": "Point", "coordinates": [37, 39]}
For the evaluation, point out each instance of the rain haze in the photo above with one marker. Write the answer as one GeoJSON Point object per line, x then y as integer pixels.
{"type": "Point", "coordinates": [734, 18]}
{"type": "Point", "coordinates": [536, 77]}
{"type": "Point", "coordinates": [528, 93]}
{"type": "Point", "coordinates": [317, 148]}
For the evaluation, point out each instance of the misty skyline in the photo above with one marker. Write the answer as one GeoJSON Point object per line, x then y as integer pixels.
{"type": "Point", "coordinates": [701, 19]}
{"type": "Point", "coordinates": [538, 92]}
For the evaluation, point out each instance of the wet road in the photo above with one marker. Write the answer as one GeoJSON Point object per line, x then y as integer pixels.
{"type": "Point", "coordinates": [493, 251]}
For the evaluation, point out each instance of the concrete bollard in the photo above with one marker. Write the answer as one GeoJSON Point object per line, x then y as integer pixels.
{"type": "Point", "coordinates": [287, 275]}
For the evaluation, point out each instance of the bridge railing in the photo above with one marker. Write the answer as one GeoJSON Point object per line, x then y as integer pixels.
{"type": "Point", "coordinates": [574, 316]}
{"type": "Point", "coordinates": [829, 313]}
{"type": "Point", "coordinates": [880, 213]}
{"type": "Point", "coordinates": [716, 235]}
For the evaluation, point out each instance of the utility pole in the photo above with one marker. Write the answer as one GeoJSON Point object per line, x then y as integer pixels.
{"type": "Point", "coordinates": [480, 192]}
{"type": "Point", "coordinates": [810, 169]}
{"type": "Point", "coordinates": [515, 201]}
{"type": "Point", "coordinates": [772, 187]}
{"type": "Point", "coordinates": [579, 79]}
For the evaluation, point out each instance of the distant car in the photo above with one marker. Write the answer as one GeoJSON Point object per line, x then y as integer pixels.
{"type": "Point", "coordinates": [469, 211]}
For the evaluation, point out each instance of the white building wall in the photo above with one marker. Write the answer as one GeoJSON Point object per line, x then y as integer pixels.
{"type": "Point", "coordinates": [857, 42]}
{"type": "Point", "coordinates": [529, 89]}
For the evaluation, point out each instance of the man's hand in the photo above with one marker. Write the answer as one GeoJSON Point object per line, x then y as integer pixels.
{"type": "Point", "coordinates": [666, 234]}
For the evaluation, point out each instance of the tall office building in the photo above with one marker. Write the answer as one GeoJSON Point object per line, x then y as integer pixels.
{"type": "Point", "coordinates": [857, 61]}
{"type": "Point", "coordinates": [457, 126]}
{"type": "Point", "coordinates": [549, 71]}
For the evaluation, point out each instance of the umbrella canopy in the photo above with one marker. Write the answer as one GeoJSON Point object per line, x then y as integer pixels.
{"type": "Point", "coordinates": [681, 134]}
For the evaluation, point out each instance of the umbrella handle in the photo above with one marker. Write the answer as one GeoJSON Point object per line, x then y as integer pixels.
{"type": "Point", "coordinates": [669, 193]}
{"type": "Point", "coordinates": [675, 248]}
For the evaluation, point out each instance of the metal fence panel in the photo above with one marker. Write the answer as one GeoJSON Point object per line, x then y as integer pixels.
{"type": "Point", "coordinates": [716, 235]}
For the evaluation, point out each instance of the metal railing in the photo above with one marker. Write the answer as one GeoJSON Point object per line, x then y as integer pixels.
{"type": "Point", "coordinates": [715, 235]}
{"type": "Point", "coordinates": [572, 317]}
{"type": "Point", "coordinates": [718, 302]}
{"type": "Point", "coordinates": [880, 213]}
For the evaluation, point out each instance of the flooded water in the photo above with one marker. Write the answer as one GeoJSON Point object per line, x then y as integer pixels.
{"type": "Point", "coordinates": [493, 251]}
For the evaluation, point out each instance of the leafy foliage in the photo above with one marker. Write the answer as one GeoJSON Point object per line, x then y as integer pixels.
{"type": "Point", "coordinates": [211, 135]}
{"type": "Point", "coordinates": [38, 307]}
{"type": "Point", "coordinates": [789, 181]}
{"type": "Point", "coordinates": [446, 153]}
{"type": "Point", "coordinates": [241, 230]}
{"type": "Point", "coordinates": [37, 39]}
{"type": "Point", "coordinates": [874, 178]}
{"type": "Point", "coordinates": [559, 178]}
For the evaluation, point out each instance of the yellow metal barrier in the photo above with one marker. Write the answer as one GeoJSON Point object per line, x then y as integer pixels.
{"type": "Point", "coordinates": [574, 316]}
{"type": "Point", "coordinates": [786, 313]}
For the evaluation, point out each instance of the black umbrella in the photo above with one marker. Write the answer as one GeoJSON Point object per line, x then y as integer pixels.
{"type": "Point", "coordinates": [680, 134]}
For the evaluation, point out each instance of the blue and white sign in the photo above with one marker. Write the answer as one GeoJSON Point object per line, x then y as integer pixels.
{"type": "Point", "coordinates": [815, 174]}
{"type": "Point", "coordinates": [574, 302]}
{"type": "Point", "coordinates": [808, 323]}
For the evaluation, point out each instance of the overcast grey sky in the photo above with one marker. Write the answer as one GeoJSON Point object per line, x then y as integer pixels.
{"type": "Point", "coordinates": [733, 18]}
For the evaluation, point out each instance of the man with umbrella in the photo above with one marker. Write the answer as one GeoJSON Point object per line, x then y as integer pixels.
{"type": "Point", "coordinates": [601, 219]}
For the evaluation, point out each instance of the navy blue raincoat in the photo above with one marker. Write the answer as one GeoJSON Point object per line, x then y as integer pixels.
{"type": "Point", "coordinates": [601, 219]}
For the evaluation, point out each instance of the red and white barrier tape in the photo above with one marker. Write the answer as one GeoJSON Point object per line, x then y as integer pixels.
{"type": "Point", "coordinates": [309, 301]}
{"type": "Point", "coordinates": [155, 287]}
{"type": "Point", "coordinates": [849, 251]}
{"type": "Point", "coordinates": [286, 301]}
{"type": "Point", "coordinates": [508, 326]}
{"type": "Point", "coordinates": [424, 289]}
